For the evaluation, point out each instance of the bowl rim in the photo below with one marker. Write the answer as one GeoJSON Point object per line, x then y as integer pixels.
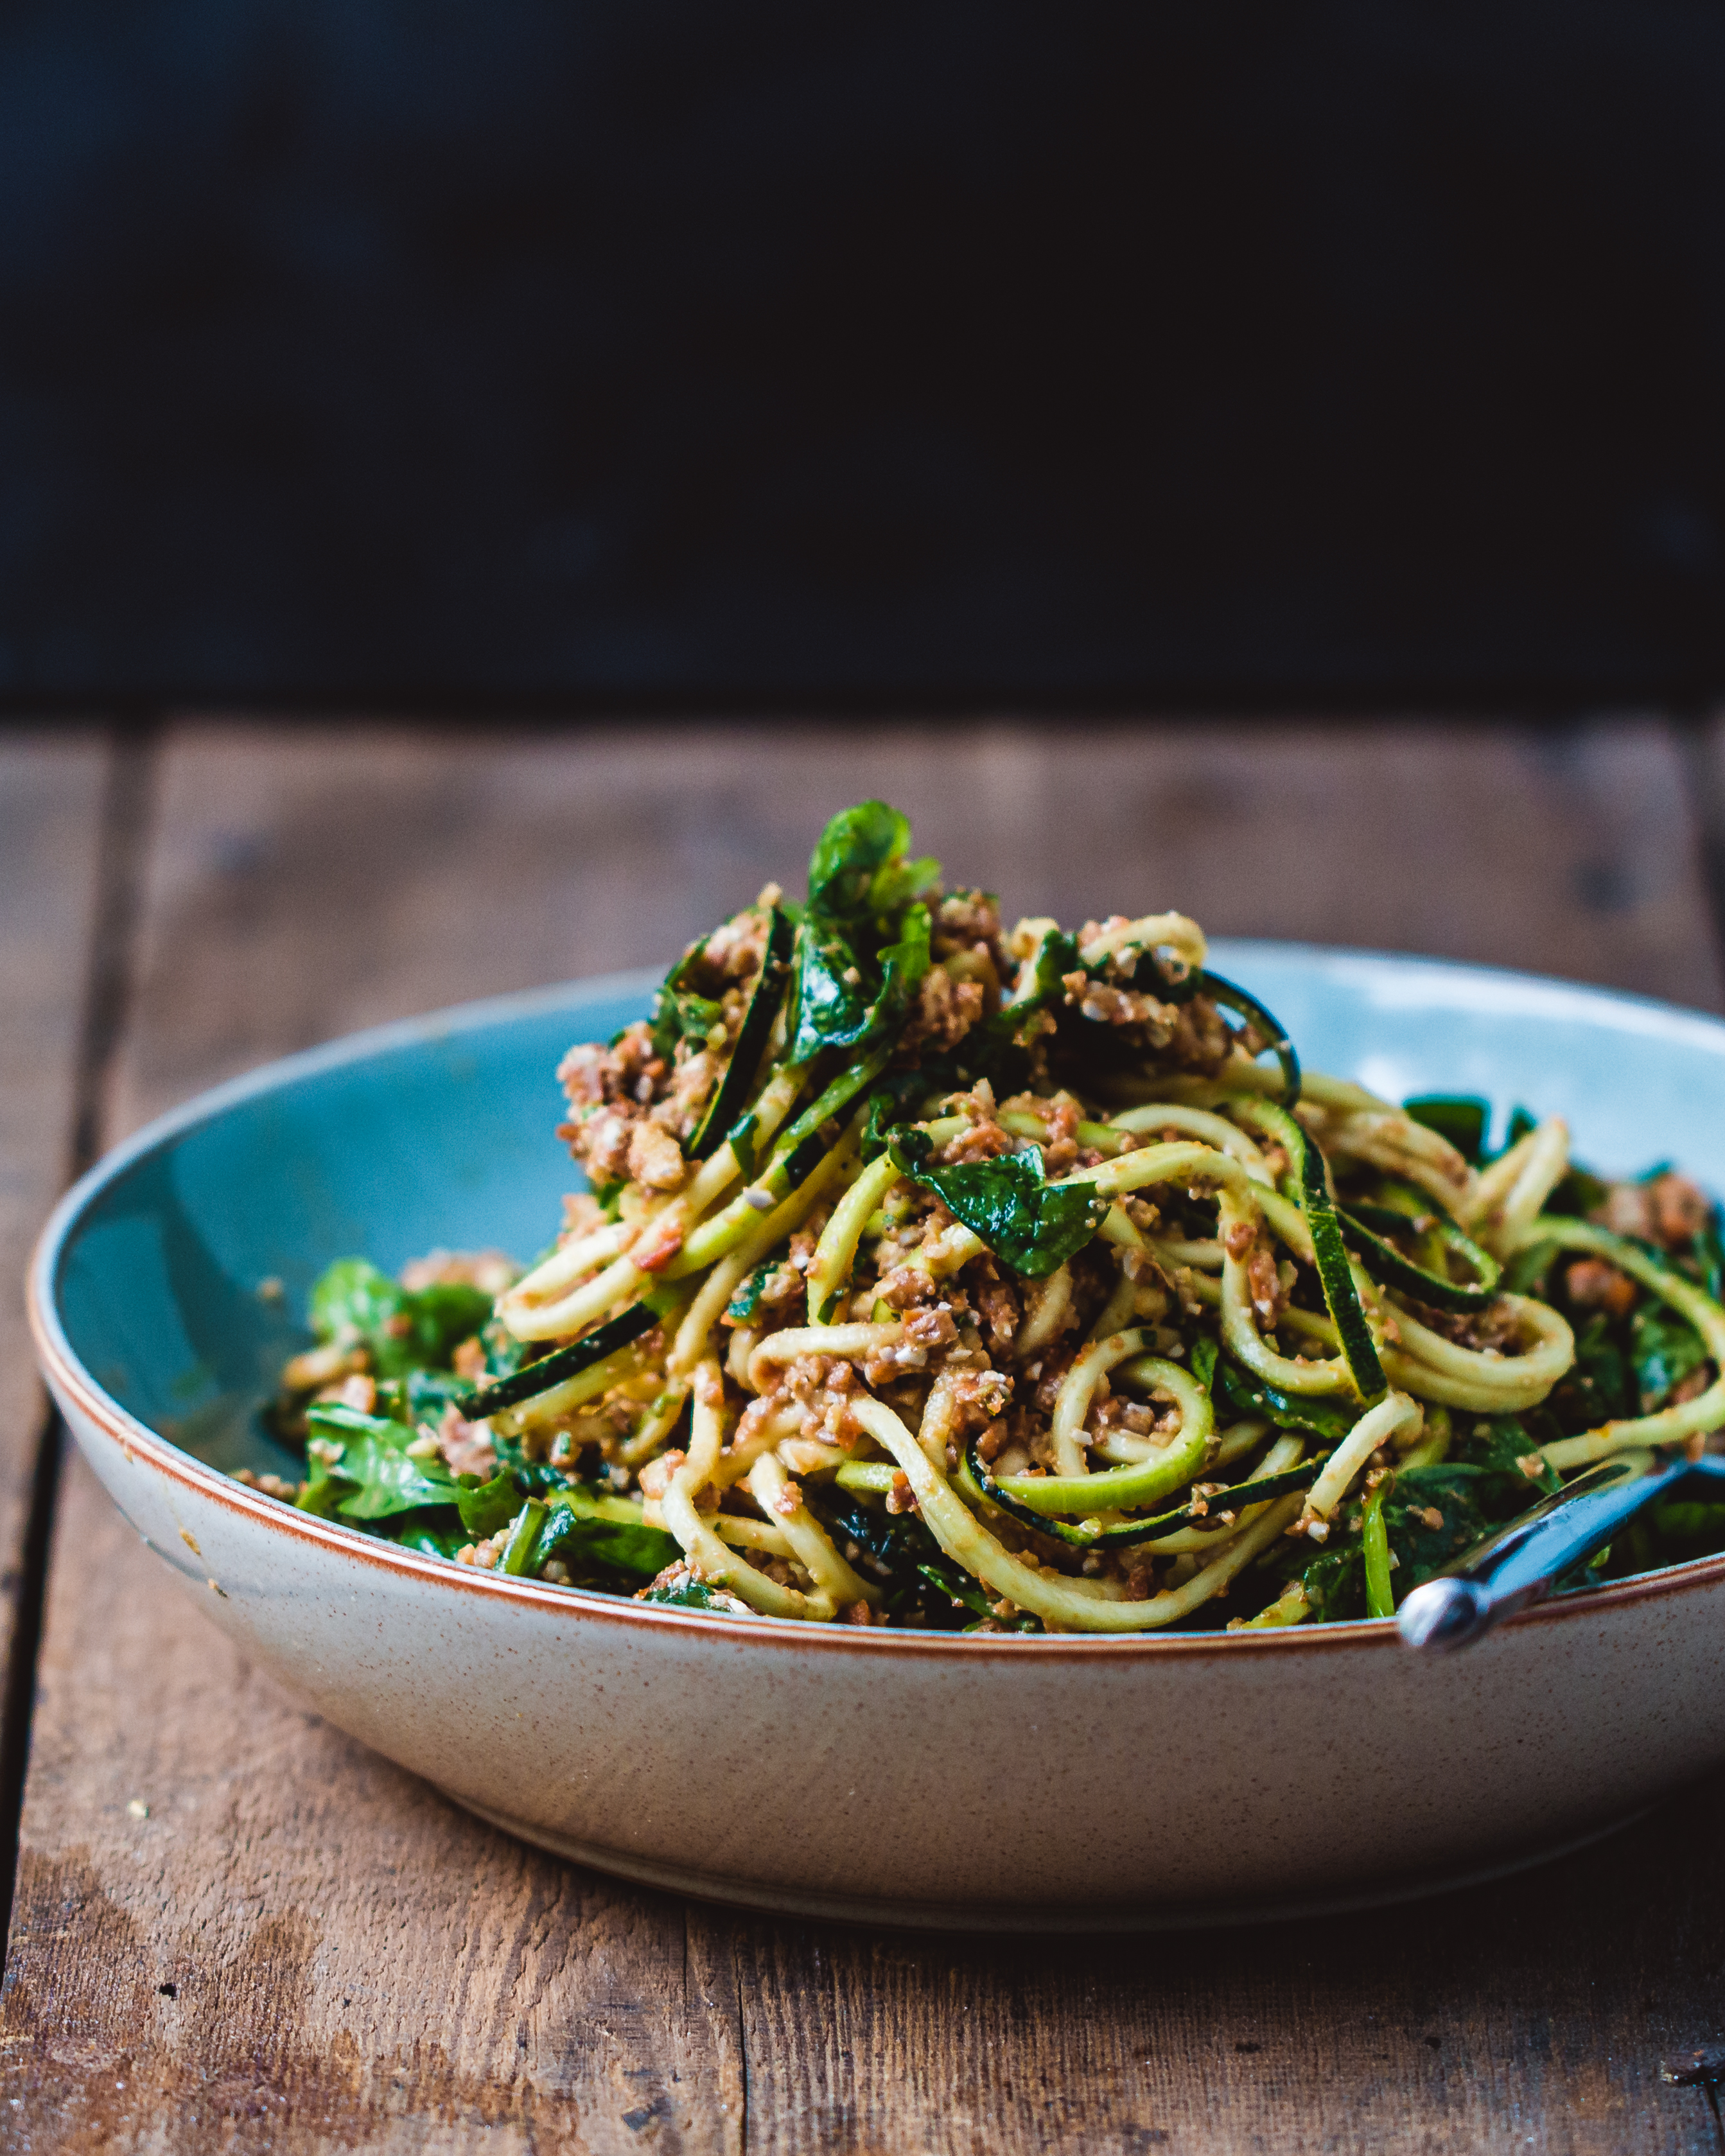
{"type": "Point", "coordinates": [68, 1378]}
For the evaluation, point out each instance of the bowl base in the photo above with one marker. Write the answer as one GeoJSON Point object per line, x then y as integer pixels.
{"type": "Point", "coordinates": [985, 1916]}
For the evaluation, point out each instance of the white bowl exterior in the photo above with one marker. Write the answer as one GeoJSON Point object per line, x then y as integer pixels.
{"type": "Point", "coordinates": [1025, 1783]}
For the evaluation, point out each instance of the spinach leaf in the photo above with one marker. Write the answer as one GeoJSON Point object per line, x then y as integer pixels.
{"type": "Point", "coordinates": [1498, 1444]}
{"type": "Point", "coordinates": [594, 1533]}
{"type": "Point", "coordinates": [1335, 1581]}
{"type": "Point", "coordinates": [432, 1533]}
{"type": "Point", "coordinates": [1206, 1353]}
{"type": "Point", "coordinates": [1664, 1349]}
{"type": "Point", "coordinates": [486, 1506]}
{"type": "Point", "coordinates": [957, 1585]}
{"type": "Point", "coordinates": [1056, 956]}
{"type": "Point", "coordinates": [1461, 1118]}
{"type": "Point", "coordinates": [858, 868]}
{"type": "Point", "coordinates": [844, 996]}
{"type": "Point", "coordinates": [402, 1329]}
{"type": "Point", "coordinates": [746, 1302]}
{"type": "Point", "coordinates": [1424, 1544]}
{"type": "Point", "coordinates": [1599, 1382]}
{"type": "Point", "coordinates": [1029, 1224]}
{"type": "Point", "coordinates": [692, 1593]}
{"type": "Point", "coordinates": [1250, 1395]}
{"type": "Point", "coordinates": [1709, 1255]}
{"type": "Point", "coordinates": [374, 1459]}
{"type": "Point", "coordinates": [353, 1296]}
{"type": "Point", "coordinates": [1686, 1528]}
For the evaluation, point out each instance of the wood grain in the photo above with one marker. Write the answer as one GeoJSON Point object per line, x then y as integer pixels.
{"type": "Point", "coordinates": [50, 803]}
{"type": "Point", "coordinates": [352, 1963]}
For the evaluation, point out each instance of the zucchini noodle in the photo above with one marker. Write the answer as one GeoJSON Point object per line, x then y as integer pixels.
{"type": "Point", "coordinates": [1033, 1284]}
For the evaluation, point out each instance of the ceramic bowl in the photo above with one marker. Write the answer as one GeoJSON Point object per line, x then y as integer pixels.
{"type": "Point", "coordinates": [1001, 1782]}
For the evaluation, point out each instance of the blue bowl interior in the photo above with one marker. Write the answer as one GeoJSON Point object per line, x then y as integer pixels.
{"type": "Point", "coordinates": [444, 1134]}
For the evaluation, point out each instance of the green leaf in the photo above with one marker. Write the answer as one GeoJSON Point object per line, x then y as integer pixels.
{"type": "Point", "coordinates": [352, 1297]}
{"type": "Point", "coordinates": [1206, 1353]}
{"type": "Point", "coordinates": [850, 854]}
{"type": "Point", "coordinates": [1600, 1375]}
{"type": "Point", "coordinates": [486, 1506]}
{"type": "Point", "coordinates": [374, 1459]}
{"type": "Point", "coordinates": [1056, 956]}
{"type": "Point", "coordinates": [1029, 1224]}
{"type": "Point", "coordinates": [1664, 1349]}
{"type": "Point", "coordinates": [401, 1330]}
{"type": "Point", "coordinates": [1454, 1493]}
{"type": "Point", "coordinates": [438, 1533]}
{"type": "Point", "coordinates": [957, 1585]}
{"type": "Point", "coordinates": [600, 1534]}
{"type": "Point", "coordinates": [833, 1010]}
{"type": "Point", "coordinates": [691, 1593]}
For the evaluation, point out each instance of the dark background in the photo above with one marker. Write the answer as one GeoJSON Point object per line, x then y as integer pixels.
{"type": "Point", "coordinates": [593, 352]}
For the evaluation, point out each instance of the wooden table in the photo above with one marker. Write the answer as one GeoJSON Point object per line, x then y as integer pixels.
{"type": "Point", "coordinates": [235, 1928]}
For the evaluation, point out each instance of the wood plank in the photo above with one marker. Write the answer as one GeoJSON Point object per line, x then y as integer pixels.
{"type": "Point", "coordinates": [50, 813]}
{"type": "Point", "coordinates": [354, 1963]}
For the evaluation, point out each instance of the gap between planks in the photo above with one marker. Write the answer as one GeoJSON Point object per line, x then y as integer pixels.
{"type": "Point", "coordinates": [122, 842]}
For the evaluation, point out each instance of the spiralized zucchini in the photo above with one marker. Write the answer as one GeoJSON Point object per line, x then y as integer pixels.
{"type": "Point", "coordinates": [936, 1275]}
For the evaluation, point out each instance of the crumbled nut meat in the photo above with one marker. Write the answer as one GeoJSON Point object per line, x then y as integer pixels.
{"type": "Point", "coordinates": [1489, 1331]}
{"type": "Point", "coordinates": [271, 1486]}
{"type": "Point", "coordinates": [1680, 1210]}
{"type": "Point", "coordinates": [466, 1446]}
{"type": "Point", "coordinates": [1593, 1285]}
{"type": "Point", "coordinates": [582, 1214]}
{"type": "Point", "coordinates": [491, 1271]}
{"type": "Point", "coordinates": [1105, 1004]}
{"type": "Point", "coordinates": [904, 1285]}
{"type": "Point", "coordinates": [856, 1612]}
{"type": "Point", "coordinates": [658, 1244]}
{"type": "Point", "coordinates": [1670, 1209]}
{"type": "Point", "coordinates": [1060, 1148]}
{"type": "Point", "coordinates": [359, 1392]}
{"type": "Point", "coordinates": [1431, 1515]}
{"type": "Point", "coordinates": [655, 1158]}
{"type": "Point", "coordinates": [931, 1328]}
{"type": "Point", "coordinates": [1693, 1386]}
{"type": "Point", "coordinates": [655, 1477]}
{"type": "Point", "coordinates": [1055, 1367]}
{"type": "Point", "coordinates": [789, 1502]}
{"type": "Point", "coordinates": [946, 1011]}
{"type": "Point", "coordinates": [998, 1307]}
{"type": "Point", "coordinates": [1531, 1465]}
{"type": "Point", "coordinates": [1239, 1238]}
{"type": "Point", "coordinates": [322, 1366]}
{"type": "Point", "coordinates": [983, 1139]}
{"type": "Point", "coordinates": [964, 919]}
{"type": "Point", "coordinates": [900, 1498]}
{"type": "Point", "coordinates": [469, 1361]}
{"type": "Point", "coordinates": [484, 1555]}
{"type": "Point", "coordinates": [1264, 1284]}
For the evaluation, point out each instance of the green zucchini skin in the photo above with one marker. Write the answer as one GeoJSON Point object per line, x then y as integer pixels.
{"type": "Point", "coordinates": [1236, 998]}
{"type": "Point", "coordinates": [1307, 1183]}
{"type": "Point", "coordinates": [1131, 1531]}
{"type": "Point", "coordinates": [731, 1097]}
{"type": "Point", "coordinates": [535, 1377]}
{"type": "Point", "coordinates": [1390, 1269]}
